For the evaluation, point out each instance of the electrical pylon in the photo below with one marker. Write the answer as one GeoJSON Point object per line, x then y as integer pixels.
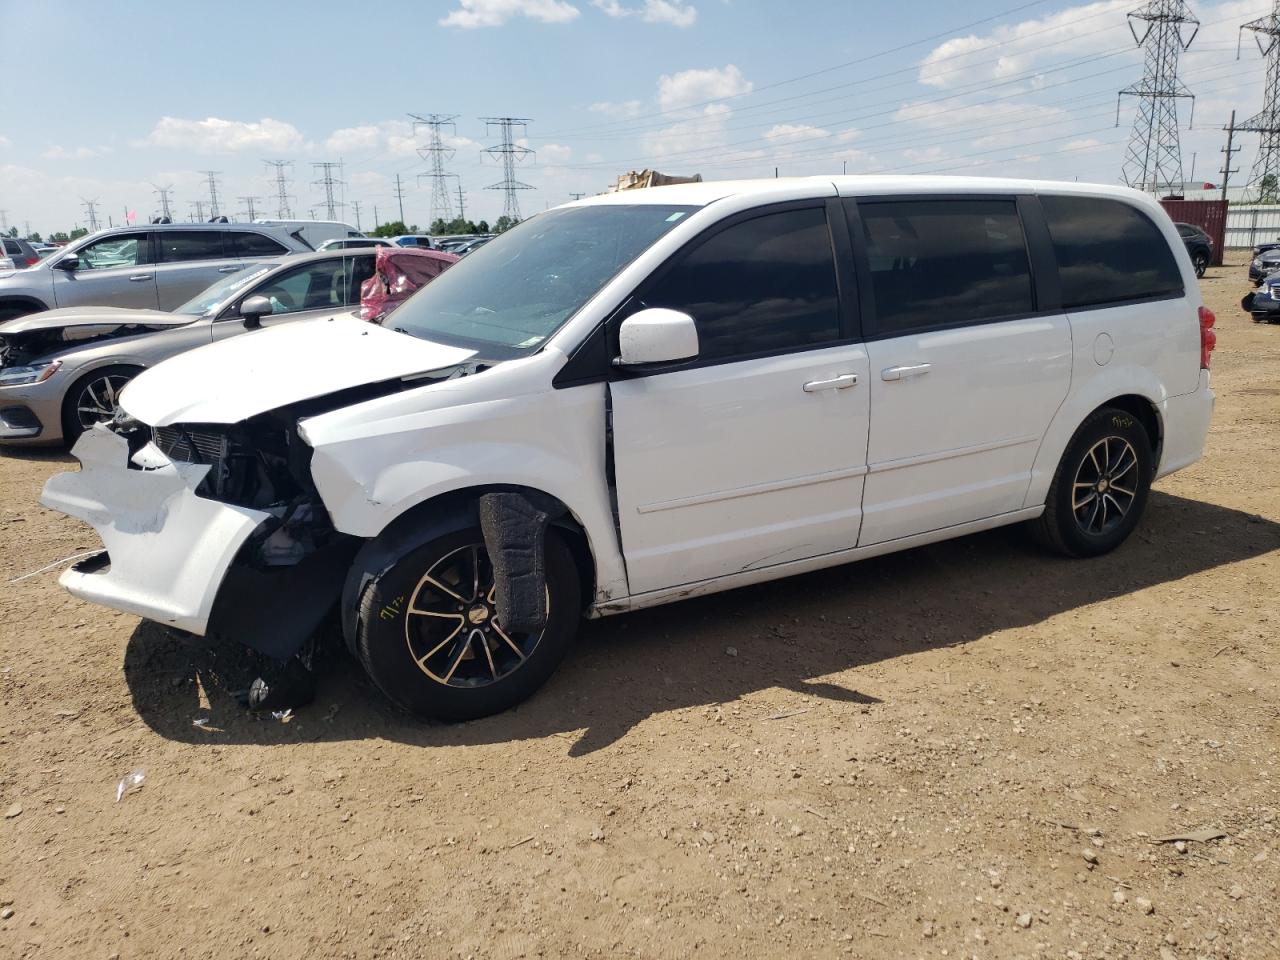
{"type": "Point", "coordinates": [329, 181]}
{"type": "Point", "coordinates": [1153, 159]}
{"type": "Point", "coordinates": [281, 184]}
{"type": "Point", "coordinates": [436, 153]}
{"type": "Point", "coordinates": [510, 154]}
{"type": "Point", "coordinates": [1264, 182]}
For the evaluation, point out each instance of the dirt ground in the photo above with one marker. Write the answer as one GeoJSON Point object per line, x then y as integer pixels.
{"type": "Point", "coordinates": [967, 750]}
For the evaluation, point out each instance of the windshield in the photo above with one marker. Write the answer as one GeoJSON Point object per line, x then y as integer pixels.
{"type": "Point", "coordinates": [508, 296]}
{"type": "Point", "coordinates": [211, 298]}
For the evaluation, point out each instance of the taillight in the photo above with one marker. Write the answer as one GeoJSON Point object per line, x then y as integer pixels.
{"type": "Point", "coordinates": [32, 261]}
{"type": "Point", "coordinates": [1208, 339]}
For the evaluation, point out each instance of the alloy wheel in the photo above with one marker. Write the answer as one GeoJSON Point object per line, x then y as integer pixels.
{"type": "Point", "coordinates": [451, 623]}
{"type": "Point", "coordinates": [1105, 486]}
{"type": "Point", "coordinates": [99, 399]}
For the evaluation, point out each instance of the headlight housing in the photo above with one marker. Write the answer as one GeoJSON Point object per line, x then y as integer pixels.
{"type": "Point", "coordinates": [28, 373]}
{"type": "Point", "coordinates": [1257, 261]}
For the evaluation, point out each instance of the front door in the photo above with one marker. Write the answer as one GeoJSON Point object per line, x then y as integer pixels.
{"type": "Point", "coordinates": [115, 271]}
{"type": "Point", "coordinates": [966, 371]}
{"type": "Point", "coordinates": [754, 453]}
{"type": "Point", "coordinates": [320, 288]}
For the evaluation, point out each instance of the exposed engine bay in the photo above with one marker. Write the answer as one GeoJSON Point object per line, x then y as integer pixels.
{"type": "Point", "coordinates": [17, 349]}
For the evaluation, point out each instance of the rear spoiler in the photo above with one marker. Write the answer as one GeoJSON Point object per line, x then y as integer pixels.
{"type": "Point", "coordinates": [297, 235]}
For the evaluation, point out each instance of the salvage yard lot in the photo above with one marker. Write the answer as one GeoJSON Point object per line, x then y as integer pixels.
{"type": "Point", "coordinates": [967, 749]}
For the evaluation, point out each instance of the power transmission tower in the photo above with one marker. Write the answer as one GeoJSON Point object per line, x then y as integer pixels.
{"type": "Point", "coordinates": [355, 205]}
{"type": "Point", "coordinates": [462, 204]}
{"type": "Point", "coordinates": [1153, 159]}
{"type": "Point", "coordinates": [577, 196]}
{"type": "Point", "coordinates": [282, 187]}
{"type": "Point", "coordinates": [199, 205]}
{"type": "Point", "coordinates": [436, 153]}
{"type": "Point", "coordinates": [213, 191]}
{"type": "Point", "coordinates": [328, 181]}
{"type": "Point", "coordinates": [4, 221]}
{"type": "Point", "coordinates": [249, 204]}
{"type": "Point", "coordinates": [509, 154]}
{"type": "Point", "coordinates": [163, 194]}
{"type": "Point", "coordinates": [1264, 181]}
{"type": "Point", "coordinates": [400, 197]}
{"type": "Point", "coordinates": [91, 213]}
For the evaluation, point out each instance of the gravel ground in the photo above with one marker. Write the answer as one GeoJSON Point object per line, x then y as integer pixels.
{"type": "Point", "coordinates": [968, 750]}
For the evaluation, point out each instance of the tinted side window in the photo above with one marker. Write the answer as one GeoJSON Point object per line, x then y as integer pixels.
{"type": "Point", "coordinates": [1108, 252]}
{"type": "Point", "coordinates": [177, 246]}
{"type": "Point", "coordinates": [945, 262]}
{"type": "Point", "coordinates": [245, 244]}
{"type": "Point", "coordinates": [119, 250]}
{"type": "Point", "coordinates": [316, 286]}
{"type": "Point", "coordinates": [762, 285]}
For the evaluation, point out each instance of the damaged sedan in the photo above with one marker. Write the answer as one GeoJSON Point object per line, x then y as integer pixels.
{"type": "Point", "coordinates": [62, 371]}
{"type": "Point", "coordinates": [646, 396]}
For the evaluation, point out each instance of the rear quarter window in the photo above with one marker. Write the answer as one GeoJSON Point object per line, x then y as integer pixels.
{"type": "Point", "coordinates": [1108, 252]}
{"type": "Point", "coordinates": [246, 244]}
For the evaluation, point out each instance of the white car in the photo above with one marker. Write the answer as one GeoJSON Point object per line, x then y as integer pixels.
{"type": "Point", "coordinates": [644, 396]}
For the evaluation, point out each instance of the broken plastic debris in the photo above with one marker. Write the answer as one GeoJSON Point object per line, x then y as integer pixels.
{"type": "Point", "coordinates": [284, 716]}
{"type": "Point", "coordinates": [132, 782]}
{"type": "Point", "coordinates": [200, 722]}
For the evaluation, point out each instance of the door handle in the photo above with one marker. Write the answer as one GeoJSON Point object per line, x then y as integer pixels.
{"type": "Point", "coordinates": [139, 276]}
{"type": "Point", "coordinates": [229, 269]}
{"type": "Point", "coordinates": [842, 382]}
{"type": "Point", "coordinates": [906, 372]}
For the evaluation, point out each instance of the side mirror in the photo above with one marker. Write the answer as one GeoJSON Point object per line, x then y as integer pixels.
{"type": "Point", "coordinates": [253, 310]}
{"type": "Point", "coordinates": [656, 335]}
{"type": "Point", "coordinates": [69, 263]}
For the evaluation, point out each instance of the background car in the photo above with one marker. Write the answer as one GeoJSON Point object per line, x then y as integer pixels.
{"type": "Point", "coordinates": [6, 262]}
{"type": "Point", "coordinates": [1264, 264]}
{"type": "Point", "coordinates": [62, 371]}
{"type": "Point", "coordinates": [312, 232]}
{"type": "Point", "coordinates": [152, 267]}
{"type": "Point", "coordinates": [21, 252]}
{"type": "Point", "coordinates": [1199, 245]}
{"type": "Point", "coordinates": [414, 240]}
{"type": "Point", "coordinates": [347, 243]}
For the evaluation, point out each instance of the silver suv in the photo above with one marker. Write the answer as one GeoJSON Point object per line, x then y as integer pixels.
{"type": "Point", "coordinates": [154, 267]}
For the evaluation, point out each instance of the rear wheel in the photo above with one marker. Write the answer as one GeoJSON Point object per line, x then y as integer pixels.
{"type": "Point", "coordinates": [94, 398]}
{"type": "Point", "coordinates": [430, 637]}
{"type": "Point", "coordinates": [1200, 260]}
{"type": "Point", "coordinates": [1100, 489]}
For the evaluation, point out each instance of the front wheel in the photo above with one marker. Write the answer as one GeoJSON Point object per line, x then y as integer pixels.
{"type": "Point", "coordinates": [94, 398]}
{"type": "Point", "coordinates": [429, 635]}
{"type": "Point", "coordinates": [1200, 260]}
{"type": "Point", "coordinates": [1100, 489]}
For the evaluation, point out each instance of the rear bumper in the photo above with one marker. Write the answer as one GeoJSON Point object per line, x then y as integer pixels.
{"type": "Point", "coordinates": [168, 550]}
{"type": "Point", "coordinates": [1186, 425]}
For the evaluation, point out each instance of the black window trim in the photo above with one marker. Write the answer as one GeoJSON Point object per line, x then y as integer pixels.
{"type": "Point", "coordinates": [846, 311]}
{"type": "Point", "coordinates": [1046, 297]}
{"type": "Point", "coordinates": [157, 247]}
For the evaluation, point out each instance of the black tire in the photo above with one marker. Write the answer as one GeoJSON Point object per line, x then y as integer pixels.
{"type": "Point", "coordinates": [394, 644]}
{"type": "Point", "coordinates": [1200, 260]}
{"type": "Point", "coordinates": [1071, 526]}
{"type": "Point", "coordinates": [72, 421]}
{"type": "Point", "coordinates": [10, 311]}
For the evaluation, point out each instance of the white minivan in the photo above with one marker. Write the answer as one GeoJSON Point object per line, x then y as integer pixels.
{"type": "Point", "coordinates": [645, 396]}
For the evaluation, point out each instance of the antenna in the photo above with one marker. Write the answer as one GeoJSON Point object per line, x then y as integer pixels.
{"type": "Point", "coordinates": [510, 154]}
{"type": "Point", "coordinates": [328, 181]}
{"type": "Point", "coordinates": [282, 187]}
{"type": "Point", "coordinates": [436, 153]}
{"type": "Point", "coordinates": [1153, 159]}
{"type": "Point", "coordinates": [1264, 180]}
{"type": "Point", "coordinates": [213, 191]}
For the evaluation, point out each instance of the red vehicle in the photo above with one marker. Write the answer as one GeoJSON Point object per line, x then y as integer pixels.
{"type": "Point", "coordinates": [397, 275]}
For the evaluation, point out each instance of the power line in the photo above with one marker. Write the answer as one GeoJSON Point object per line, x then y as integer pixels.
{"type": "Point", "coordinates": [329, 181]}
{"type": "Point", "coordinates": [436, 153]}
{"type": "Point", "coordinates": [1153, 159]}
{"type": "Point", "coordinates": [163, 194]}
{"type": "Point", "coordinates": [1264, 180]}
{"type": "Point", "coordinates": [283, 210]}
{"type": "Point", "coordinates": [509, 153]}
{"type": "Point", "coordinates": [213, 192]}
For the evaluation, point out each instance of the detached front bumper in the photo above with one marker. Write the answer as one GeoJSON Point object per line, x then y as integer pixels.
{"type": "Point", "coordinates": [168, 550]}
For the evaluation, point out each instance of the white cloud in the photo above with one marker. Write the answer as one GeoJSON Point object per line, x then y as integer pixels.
{"type": "Point", "coordinates": [77, 153]}
{"type": "Point", "coordinates": [681, 90]}
{"type": "Point", "coordinates": [364, 137]}
{"type": "Point", "coordinates": [674, 12]}
{"type": "Point", "coordinates": [395, 138]}
{"type": "Point", "coordinates": [5, 142]}
{"type": "Point", "coordinates": [494, 13]}
{"type": "Point", "coordinates": [214, 135]}
{"type": "Point", "coordinates": [626, 109]}
{"type": "Point", "coordinates": [554, 153]}
{"type": "Point", "coordinates": [785, 133]}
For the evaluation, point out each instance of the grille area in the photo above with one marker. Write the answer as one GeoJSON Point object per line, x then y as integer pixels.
{"type": "Point", "coordinates": [191, 446]}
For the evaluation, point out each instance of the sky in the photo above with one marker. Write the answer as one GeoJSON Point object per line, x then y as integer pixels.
{"type": "Point", "coordinates": [106, 102]}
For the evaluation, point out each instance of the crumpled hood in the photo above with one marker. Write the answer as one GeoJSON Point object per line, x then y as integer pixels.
{"type": "Point", "coordinates": [260, 370]}
{"type": "Point", "coordinates": [93, 317]}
